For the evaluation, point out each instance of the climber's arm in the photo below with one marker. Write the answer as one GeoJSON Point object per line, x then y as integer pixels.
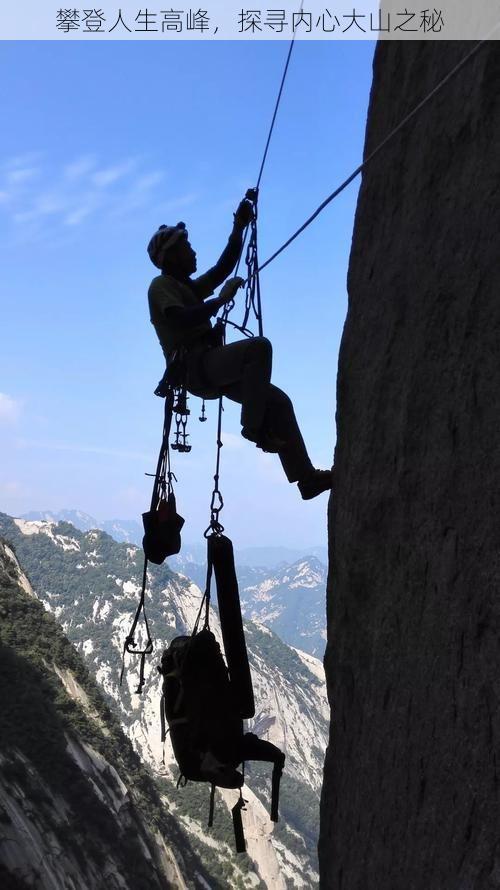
{"type": "Point", "coordinates": [192, 316]}
{"type": "Point", "coordinates": [206, 283]}
{"type": "Point", "coordinates": [187, 317]}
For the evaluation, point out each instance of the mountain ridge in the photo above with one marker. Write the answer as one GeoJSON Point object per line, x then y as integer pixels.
{"type": "Point", "coordinates": [131, 531]}
{"type": "Point", "coordinates": [74, 798]}
{"type": "Point", "coordinates": [90, 583]}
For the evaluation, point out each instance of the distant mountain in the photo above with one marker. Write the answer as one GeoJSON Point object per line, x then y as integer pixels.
{"type": "Point", "coordinates": [130, 531]}
{"type": "Point", "coordinates": [76, 805]}
{"type": "Point", "coordinates": [78, 518]}
{"type": "Point", "coordinates": [273, 557]}
{"type": "Point", "coordinates": [291, 600]}
{"type": "Point", "coordinates": [283, 590]}
{"type": "Point", "coordinates": [124, 530]}
{"type": "Point", "coordinates": [90, 584]}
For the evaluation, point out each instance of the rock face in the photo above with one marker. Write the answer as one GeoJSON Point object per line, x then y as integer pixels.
{"type": "Point", "coordinates": [411, 794]}
{"type": "Point", "coordinates": [67, 817]}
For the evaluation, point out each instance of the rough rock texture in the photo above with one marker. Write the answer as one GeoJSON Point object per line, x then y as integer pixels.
{"type": "Point", "coordinates": [411, 794]}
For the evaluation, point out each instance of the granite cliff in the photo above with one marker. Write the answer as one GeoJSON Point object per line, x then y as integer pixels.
{"type": "Point", "coordinates": [411, 793]}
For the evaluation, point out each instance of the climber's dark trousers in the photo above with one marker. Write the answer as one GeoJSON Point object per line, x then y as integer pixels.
{"type": "Point", "coordinates": [242, 372]}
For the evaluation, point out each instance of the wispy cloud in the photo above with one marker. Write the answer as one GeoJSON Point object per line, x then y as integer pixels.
{"type": "Point", "coordinates": [82, 210]}
{"type": "Point", "coordinates": [27, 159]}
{"type": "Point", "coordinates": [148, 181]}
{"type": "Point", "coordinates": [75, 448]}
{"type": "Point", "coordinates": [109, 175]}
{"type": "Point", "coordinates": [22, 174]}
{"type": "Point", "coordinates": [34, 195]}
{"type": "Point", "coordinates": [45, 204]}
{"type": "Point", "coordinates": [10, 409]}
{"type": "Point", "coordinates": [79, 167]}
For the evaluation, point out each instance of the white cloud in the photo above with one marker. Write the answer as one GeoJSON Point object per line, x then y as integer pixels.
{"type": "Point", "coordinates": [46, 202]}
{"type": "Point", "coordinates": [109, 175]}
{"type": "Point", "coordinates": [146, 182]}
{"type": "Point", "coordinates": [10, 409]}
{"type": "Point", "coordinates": [80, 212]}
{"type": "Point", "coordinates": [83, 449]}
{"type": "Point", "coordinates": [21, 174]}
{"type": "Point", "coordinates": [45, 205]}
{"type": "Point", "coordinates": [78, 168]}
{"type": "Point", "coordinates": [78, 215]}
{"type": "Point", "coordinates": [24, 160]}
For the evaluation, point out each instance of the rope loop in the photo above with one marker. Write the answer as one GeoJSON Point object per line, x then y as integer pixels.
{"type": "Point", "coordinates": [215, 528]}
{"type": "Point", "coordinates": [130, 644]}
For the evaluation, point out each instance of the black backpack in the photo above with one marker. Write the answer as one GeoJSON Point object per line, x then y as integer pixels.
{"type": "Point", "coordinates": [204, 704]}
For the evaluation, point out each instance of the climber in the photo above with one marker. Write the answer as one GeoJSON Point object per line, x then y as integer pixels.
{"type": "Point", "coordinates": [180, 313]}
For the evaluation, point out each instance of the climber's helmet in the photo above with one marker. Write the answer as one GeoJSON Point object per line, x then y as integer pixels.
{"type": "Point", "coordinates": [172, 240]}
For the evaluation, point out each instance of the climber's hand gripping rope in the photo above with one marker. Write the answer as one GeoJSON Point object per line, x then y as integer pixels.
{"type": "Point", "coordinates": [228, 291]}
{"type": "Point", "coordinates": [245, 213]}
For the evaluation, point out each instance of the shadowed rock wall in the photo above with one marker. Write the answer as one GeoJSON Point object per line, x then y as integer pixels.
{"type": "Point", "coordinates": [411, 795]}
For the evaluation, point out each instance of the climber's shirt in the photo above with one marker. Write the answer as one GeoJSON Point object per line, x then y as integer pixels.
{"type": "Point", "coordinates": [166, 292]}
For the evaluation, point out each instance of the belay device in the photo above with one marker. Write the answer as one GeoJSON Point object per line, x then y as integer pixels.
{"type": "Point", "coordinates": [204, 701]}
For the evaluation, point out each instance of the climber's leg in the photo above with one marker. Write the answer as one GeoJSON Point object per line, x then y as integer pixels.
{"type": "Point", "coordinates": [281, 422]}
{"type": "Point", "coordinates": [242, 370]}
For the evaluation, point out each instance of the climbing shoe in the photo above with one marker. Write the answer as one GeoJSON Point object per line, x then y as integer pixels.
{"type": "Point", "coordinates": [264, 439]}
{"type": "Point", "coordinates": [315, 483]}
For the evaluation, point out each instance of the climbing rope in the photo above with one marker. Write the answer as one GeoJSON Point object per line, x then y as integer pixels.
{"type": "Point", "coordinates": [252, 295]}
{"type": "Point", "coordinates": [253, 302]}
{"type": "Point", "coordinates": [378, 149]}
{"type": "Point", "coordinates": [276, 107]}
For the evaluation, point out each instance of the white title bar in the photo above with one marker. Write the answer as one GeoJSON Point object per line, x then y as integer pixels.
{"type": "Point", "coordinates": [220, 20]}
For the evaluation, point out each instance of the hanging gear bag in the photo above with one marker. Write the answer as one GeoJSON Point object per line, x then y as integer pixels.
{"type": "Point", "coordinates": [203, 715]}
{"type": "Point", "coordinates": [162, 530]}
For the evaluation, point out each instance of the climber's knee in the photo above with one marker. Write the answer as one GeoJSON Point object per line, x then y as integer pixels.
{"type": "Point", "coordinates": [279, 399]}
{"type": "Point", "coordinates": [261, 346]}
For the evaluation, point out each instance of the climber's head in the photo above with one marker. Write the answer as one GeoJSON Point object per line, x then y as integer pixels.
{"type": "Point", "coordinates": [170, 250]}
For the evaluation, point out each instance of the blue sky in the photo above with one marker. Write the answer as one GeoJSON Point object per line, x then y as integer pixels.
{"type": "Point", "coordinates": [106, 141]}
